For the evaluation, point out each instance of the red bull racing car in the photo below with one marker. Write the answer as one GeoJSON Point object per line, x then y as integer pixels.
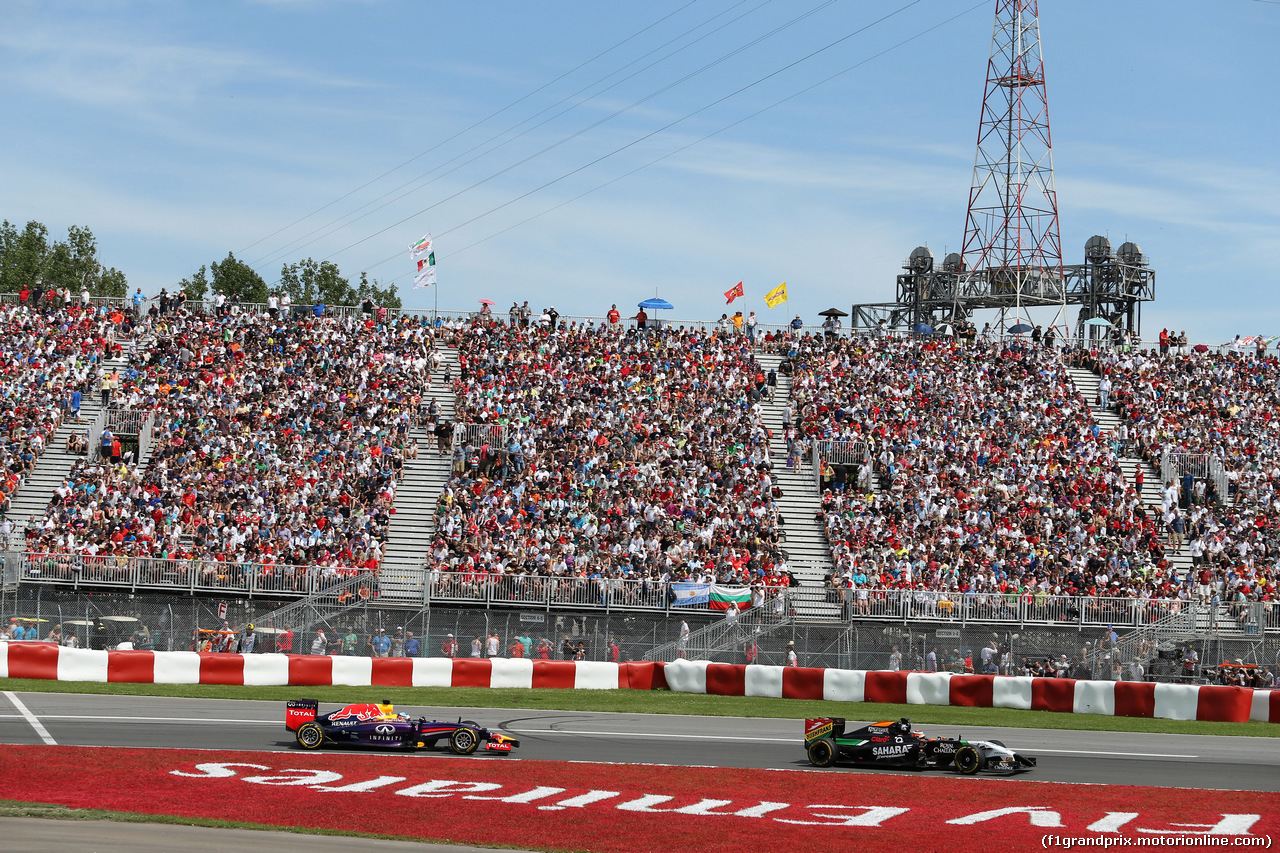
{"type": "Point", "coordinates": [378, 725]}
{"type": "Point", "coordinates": [898, 745]}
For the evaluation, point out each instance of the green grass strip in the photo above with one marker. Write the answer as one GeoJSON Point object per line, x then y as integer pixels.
{"type": "Point", "coordinates": [657, 702]}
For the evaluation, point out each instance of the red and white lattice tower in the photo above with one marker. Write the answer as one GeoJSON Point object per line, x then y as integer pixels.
{"type": "Point", "coordinates": [1011, 231]}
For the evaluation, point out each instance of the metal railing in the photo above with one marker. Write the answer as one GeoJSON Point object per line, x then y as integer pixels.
{"type": "Point", "coordinates": [838, 452]}
{"type": "Point", "coordinates": [1176, 625]}
{"type": "Point", "coordinates": [933, 606]}
{"type": "Point", "coordinates": [545, 592]}
{"type": "Point", "coordinates": [146, 438]}
{"type": "Point", "coordinates": [326, 603]}
{"type": "Point", "coordinates": [842, 452]}
{"type": "Point", "coordinates": [94, 431]}
{"type": "Point", "coordinates": [160, 574]}
{"type": "Point", "coordinates": [1202, 466]}
{"type": "Point", "coordinates": [541, 592]}
{"type": "Point", "coordinates": [723, 635]}
{"type": "Point", "coordinates": [494, 435]}
{"type": "Point", "coordinates": [128, 421]}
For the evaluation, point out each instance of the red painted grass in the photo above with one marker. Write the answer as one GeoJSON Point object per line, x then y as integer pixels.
{"type": "Point", "coordinates": [439, 797]}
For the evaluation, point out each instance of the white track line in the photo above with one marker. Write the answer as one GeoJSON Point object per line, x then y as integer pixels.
{"type": "Point", "coordinates": [1109, 752]}
{"type": "Point", "coordinates": [117, 719]}
{"type": "Point", "coordinates": [32, 719]}
{"type": "Point", "coordinates": [662, 735]}
{"type": "Point", "coordinates": [665, 736]}
{"type": "Point", "coordinates": [40, 729]}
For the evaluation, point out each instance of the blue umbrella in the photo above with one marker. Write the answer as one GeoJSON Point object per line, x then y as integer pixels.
{"type": "Point", "coordinates": [923, 329]}
{"type": "Point", "coordinates": [656, 302]}
{"type": "Point", "coordinates": [1097, 321]}
{"type": "Point", "coordinates": [1020, 329]}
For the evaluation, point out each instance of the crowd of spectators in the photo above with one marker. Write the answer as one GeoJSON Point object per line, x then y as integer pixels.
{"type": "Point", "coordinates": [278, 443]}
{"type": "Point", "coordinates": [51, 348]}
{"type": "Point", "coordinates": [639, 456]}
{"type": "Point", "coordinates": [995, 483]}
{"type": "Point", "coordinates": [1223, 406]}
{"type": "Point", "coordinates": [599, 454]}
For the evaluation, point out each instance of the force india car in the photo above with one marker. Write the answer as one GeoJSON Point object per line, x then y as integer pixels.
{"type": "Point", "coordinates": [898, 745]}
{"type": "Point", "coordinates": [379, 725]}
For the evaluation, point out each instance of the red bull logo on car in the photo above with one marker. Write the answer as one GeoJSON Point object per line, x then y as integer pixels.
{"type": "Point", "coordinates": [357, 713]}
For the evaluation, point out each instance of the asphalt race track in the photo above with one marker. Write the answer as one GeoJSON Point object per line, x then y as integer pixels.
{"type": "Point", "coordinates": [1117, 758]}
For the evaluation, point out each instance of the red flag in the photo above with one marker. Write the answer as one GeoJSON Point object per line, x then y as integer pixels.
{"type": "Point", "coordinates": [733, 293]}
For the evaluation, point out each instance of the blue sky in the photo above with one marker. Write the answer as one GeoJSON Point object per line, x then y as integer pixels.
{"type": "Point", "coordinates": [181, 131]}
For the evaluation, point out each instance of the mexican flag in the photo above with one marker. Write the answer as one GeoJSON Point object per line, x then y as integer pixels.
{"type": "Point", "coordinates": [426, 275]}
{"type": "Point", "coordinates": [724, 597]}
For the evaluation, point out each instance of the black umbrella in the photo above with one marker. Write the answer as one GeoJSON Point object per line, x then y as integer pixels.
{"type": "Point", "coordinates": [833, 312]}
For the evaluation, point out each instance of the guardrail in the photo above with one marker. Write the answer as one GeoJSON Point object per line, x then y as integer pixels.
{"type": "Point", "coordinates": [494, 435]}
{"type": "Point", "coordinates": [189, 576]}
{"type": "Point", "coordinates": [1202, 466]}
{"type": "Point", "coordinates": [546, 592]}
{"type": "Point", "coordinates": [622, 594]}
{"type": "Point", "coordinates": [128, 421]}
{"type": "Point", "coordinates": [929, 606]}
{"type": "Point", "coordinates": [837, 452]}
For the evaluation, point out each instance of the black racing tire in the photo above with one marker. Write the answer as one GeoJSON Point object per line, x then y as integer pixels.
{"type": "Point", "coordinates": [464, 741]}
{"type": "Point", "coordinates": [969, 760]}
{"type": "Point", "coordinates": [310, 736]}
{"type": "Point", "coordinates": [823, 752]}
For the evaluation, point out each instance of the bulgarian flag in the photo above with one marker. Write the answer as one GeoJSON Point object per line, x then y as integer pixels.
{"type": "Point", "coordinates": [420, 249]}
{"type": "Point", "coordinates": [724, 597]}
{"type": "Point", "coordinates": [733, 293]}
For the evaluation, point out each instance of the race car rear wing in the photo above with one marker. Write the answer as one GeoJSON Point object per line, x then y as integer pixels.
{"type": "Point", "coordinates": [823, 727]}
{"type": "Point", "coordinates": [299, 711]}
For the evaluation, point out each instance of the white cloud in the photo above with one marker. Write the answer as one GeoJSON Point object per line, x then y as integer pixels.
{"type": "Point", "coordinates": [103, 65]}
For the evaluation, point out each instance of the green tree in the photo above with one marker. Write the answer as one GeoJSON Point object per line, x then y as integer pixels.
{"type": "Point", "coordinates": [196, 285]}
{"type": "Point", "coordinates": [74, 263]}
{"type": "Point", "coordinates": [388, 296]}
{"type": "Point", "coordinates": [111, 282]}
{"type": "Point", "coordinates": [22, 255]}
{"type": "Point", "coordinates": [28, 258]}
{"type": "Point", "coordinates": [311, 281]}
{"type": "Point", "coordinates": [236, 278]}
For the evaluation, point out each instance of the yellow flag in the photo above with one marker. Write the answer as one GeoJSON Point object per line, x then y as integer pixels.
{"type": "Point", "coordinates": [777, 296]}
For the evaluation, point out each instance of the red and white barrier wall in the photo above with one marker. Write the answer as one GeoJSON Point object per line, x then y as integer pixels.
{"type": "Point", "coordinates": [1109, 698]}
{"type": "Point", "coordinates": [49, 661]}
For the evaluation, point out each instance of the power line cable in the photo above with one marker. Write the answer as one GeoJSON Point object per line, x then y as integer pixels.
{"type": "Point", "coordinates": [473, 126]}
{"type": "Point", "coordinates": [304, 241]}
{"type": "Point", "coordinates": [702, 139]}
{"type": "Point", "coordinates": [653, 133]}
{"type": "Point", "coordinates": [626, 109]}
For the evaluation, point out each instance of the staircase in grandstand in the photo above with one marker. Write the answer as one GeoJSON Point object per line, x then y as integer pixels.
{"type": "Point", "coordinates": [1232, 621]}
{"type": "Point", "coordinates": [320, 608]}
{"type": "Point", "coordinates": [1143, 645]}
{"type": "Point", "coordinates": [808, 553]}
{"type": "Point", "coordinates": [1086, 382]}
{"type": "Point", "coordinates": [401, 577]}
{"type": "Point", "coordinates": [36, 490]}
{"type": "Point", "coordinates": [724, 639]}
